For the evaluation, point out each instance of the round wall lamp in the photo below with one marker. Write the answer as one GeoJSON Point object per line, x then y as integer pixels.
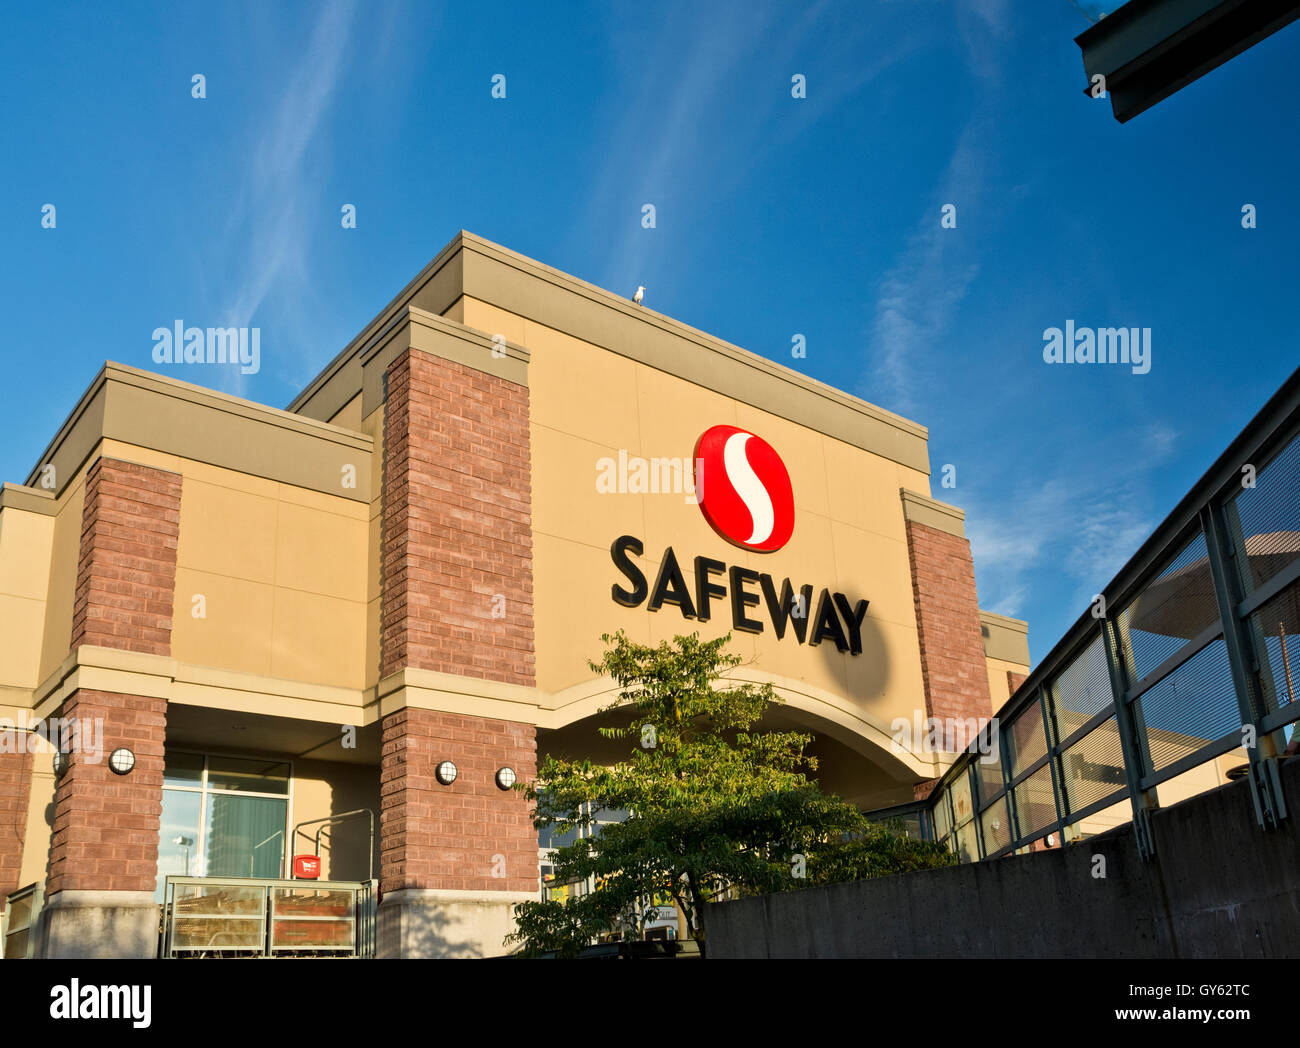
{"type": "Point", "coordinates": [505, 778]}
{"type": "Point", "coordinates": [446, 773]}
{"type": "Point", "coordinates": [60, 762]}
{"type": "Point", "coordinates": [121, 761]}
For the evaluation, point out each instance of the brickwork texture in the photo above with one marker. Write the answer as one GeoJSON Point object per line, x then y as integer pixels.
{"type": "Point", "coordinates": [948, 624]}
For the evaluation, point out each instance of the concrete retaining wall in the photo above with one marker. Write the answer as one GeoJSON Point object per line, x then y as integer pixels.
{"type": "Point", "coordinates": [1219, 886]}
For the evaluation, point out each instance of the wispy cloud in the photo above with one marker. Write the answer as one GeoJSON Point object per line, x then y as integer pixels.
{"type": "Point", "coordinates": [917, 298]}
{"type": "Point", "coordinates": [1082, 522]}
{"type": "Point", "coordinates": [666, 149]}
{"type": "Point", "coordinates": [270, 227]}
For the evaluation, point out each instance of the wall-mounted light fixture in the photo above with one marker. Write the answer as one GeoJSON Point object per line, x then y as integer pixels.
{"type": "Point", "coordinates": [446, 773]}
{"type": "Point", "coordinates": [505, 778]}
{"type": "Point", "coordinates": [121, 761]}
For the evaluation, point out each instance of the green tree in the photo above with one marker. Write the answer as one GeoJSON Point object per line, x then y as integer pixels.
{"type": "Point", "coordinates": [713, 805]}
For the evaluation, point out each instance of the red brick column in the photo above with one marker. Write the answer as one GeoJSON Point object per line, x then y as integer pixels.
{"type": "Point", "coordinates": [15, 791]}
{"type": "Point", "coordinates": [471, 835]}
{"type": "Point", "coordinates": [457, 522]}
{"type": "Point", "coordinates": [1014, 680]}
{"type": "Point", "coordinates": [458, 599]}
{"type": "Point", "coordinates": [106, 825]}
{"type": "Point", "coordinates": [948, 624]}
{"type": "Point", "coordinates": [127, 570]}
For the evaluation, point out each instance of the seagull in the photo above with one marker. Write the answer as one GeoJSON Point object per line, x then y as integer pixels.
{"type": "Point", "coordinates": [640, 294]}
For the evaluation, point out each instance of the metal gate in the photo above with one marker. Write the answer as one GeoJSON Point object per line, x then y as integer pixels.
{"type": "Point", "coordinates": [255, 917]}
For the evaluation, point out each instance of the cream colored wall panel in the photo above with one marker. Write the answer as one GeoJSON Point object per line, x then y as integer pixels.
{"type": "Point", "coordinates": [581, 389]}
{"type": "Point", "coordinates": [26, 540]}
{"type": "Point", "coordinates": [322, 788]}
{"type": "Point", "coordinates": [872, 567]}
{"type": "Point", "coordinates": [492, 320]}
{"type": "Point", "coordinates": [673, 413]}
{"type": "Point", "coordinates": [820, 666]}
{"type": "Point", "coordinates": [322, 503]}
{"type": "Point", "coordinates": [915, 480]}
{"type": "Point", "coordinates": [863, 489]}
{"type": "Point", "coordinates": [227, 478]}
{"type": "Point", "coordinates": [349, 416]}
{"type": "Point", "coordinates": [318, 639]}
{"type": "Point", "coordinates": [65, 554]}
{"type": "Point", "coordinates": [227, 532]}
{"type": "Point", "coordinates": [566, 502]}
{"type": "Point", "coordinates": [999, 687]}
{"type": "Point", "coordinates": [21, 624]}
{"type": "Point", "coordinates": [456, 311]}
{"type": "Point", "coordinates": [373, 426]}
{"type": "Point", "coordinates": [801, 451]}
{"type": "Point", "coordinates": [671, 521]}
{"type": "Point", "coordinates": [374, 566]}
{"type": "Point", "coordinates": [321, 553]}
{"type": "Point", "coordinates": [143, 456]}
{"type": "Point", "coordinates": [886, 678]}
{"type": "Point", "coordinates": [572, 608]}
{"type": "Point", "coordinates": [374, 631]}
{"type": "Point", "coordinates": [236, 632]}
{"type": "Point", "coordinates": [40, 820]}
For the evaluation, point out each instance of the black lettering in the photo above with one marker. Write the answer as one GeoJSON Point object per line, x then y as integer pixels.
{"type": "Point", "coordinates": [828, 623]}
{"type": "Point", "coordinates": [780, 608]}
{"type": "Point", "coordinates": [852, 619]}
{"type": "Point", "coordinates": [742, 599]}
{"type": "Point", "coordinates": [670, 587]}
{"type": "Point", "coordinates": [705, 589]}
{"type": "Point", "coordinates": [619, 551]}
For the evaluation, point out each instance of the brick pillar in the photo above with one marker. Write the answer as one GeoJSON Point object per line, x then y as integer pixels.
{"type": "Point", "coordinates": [457, 599]}
{"type": "Point", "coordinates": [105, 824]}
{"type": "Point", "coordinates": [104, 849]}
{"type": "Point", "coordinates": [953, 666]}
{"type": "Point", "coordinates": [471, 835]}
{"type": "Point", "coordinates": [15, 791]}
{"type": "Point", "coordinates": [1014, 680]}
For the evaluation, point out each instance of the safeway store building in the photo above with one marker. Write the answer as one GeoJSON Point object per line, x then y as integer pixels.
{"type": "Point", "coordinates": [384, 599]}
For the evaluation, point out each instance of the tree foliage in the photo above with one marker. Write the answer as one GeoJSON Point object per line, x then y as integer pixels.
{"type": "Point", "coordinates": [716, 807]}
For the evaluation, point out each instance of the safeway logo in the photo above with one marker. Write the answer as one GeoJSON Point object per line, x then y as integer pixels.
{"type": "Point", "coordinates": [743, 489]}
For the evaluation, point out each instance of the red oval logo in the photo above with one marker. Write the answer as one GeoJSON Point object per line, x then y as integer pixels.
{"type": "Point", "coordinates": [743, 489]}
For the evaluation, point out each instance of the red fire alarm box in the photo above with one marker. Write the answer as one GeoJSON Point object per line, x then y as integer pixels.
{"type": "Point", "coordinates": [306, 867]}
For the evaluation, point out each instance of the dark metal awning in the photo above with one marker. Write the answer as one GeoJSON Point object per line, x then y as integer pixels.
{"type": "Point", "coordinates": [1148, 49]}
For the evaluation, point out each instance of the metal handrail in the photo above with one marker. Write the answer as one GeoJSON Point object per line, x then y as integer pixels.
{"type": "Point", "coordinates": [332, 820]}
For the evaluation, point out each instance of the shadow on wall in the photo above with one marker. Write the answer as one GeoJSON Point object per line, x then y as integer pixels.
{"type": "Point", "coordinates": [444, 928]}
{"type": "Point", "coordinates": [347, 842]}
{"type": "Point", "coordinates": [1217, 886]}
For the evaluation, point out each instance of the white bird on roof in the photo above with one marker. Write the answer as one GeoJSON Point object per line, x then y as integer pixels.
{"type": "Point", "coordinates": [640, 294]}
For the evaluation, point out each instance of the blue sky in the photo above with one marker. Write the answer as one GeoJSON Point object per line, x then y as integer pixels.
{"type": "Point", "coordinates": [775, 216]}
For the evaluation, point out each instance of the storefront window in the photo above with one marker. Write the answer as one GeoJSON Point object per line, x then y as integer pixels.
{"type": "Point", "coordinates": [222, 817]}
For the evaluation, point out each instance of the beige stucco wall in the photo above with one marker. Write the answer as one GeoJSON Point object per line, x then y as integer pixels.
{"type": "Point", "coordinates": [999, 688]}
{"type": "Point", "coordinates": [323, 788]}
{"type": "Point", "coordinates": [849, 536]}
{"type": "Point", "coordinates": [40, 819]}
{"type": "Point", "coordinates": [62, 589]}
{"type": "Point", "coordinates": [26, 542]}
{"type": "Point", "coordinates": [282, 569]}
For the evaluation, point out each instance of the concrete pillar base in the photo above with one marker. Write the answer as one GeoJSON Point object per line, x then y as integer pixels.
{"type": "Point", "coordinates": [431, 923]}
{"type": "Point", "coordinates": [82, 925]}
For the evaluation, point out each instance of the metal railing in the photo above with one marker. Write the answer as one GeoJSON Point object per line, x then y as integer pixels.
{"type": "Point", "coordinates": [1179, 678]}
{"type": "Point", "coordinates": [256, 917]}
